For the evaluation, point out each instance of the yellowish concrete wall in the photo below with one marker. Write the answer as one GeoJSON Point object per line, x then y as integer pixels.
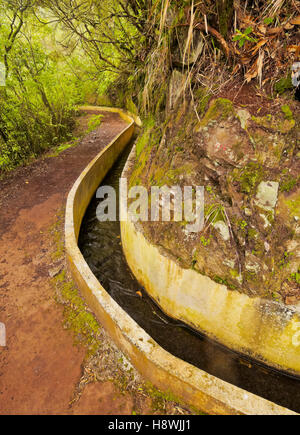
{"type": "Point", "coordinates": [166, 372]}
{"type": "Point", "coordinates": [263, 329]}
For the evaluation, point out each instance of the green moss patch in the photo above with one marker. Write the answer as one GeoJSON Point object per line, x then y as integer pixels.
{"type": "Point", "coordinates": [220, 109]}
{"type": "Point", "coordinates": [249, 177]}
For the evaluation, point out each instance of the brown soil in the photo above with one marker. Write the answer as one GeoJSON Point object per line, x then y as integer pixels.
{"type": "Point", "coordinates": [41, 366]}
{"type": "Point", "coordinates": [257, 101]}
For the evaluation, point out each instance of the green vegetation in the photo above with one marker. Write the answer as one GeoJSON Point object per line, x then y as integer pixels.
{"type": "Point", "coordinates": [295, 277]}
{"type": "Point", "coordinates": [283, 85]}
{"type": "Point", "coordinates": [243, 37]}
{"type": "Point", "coordinates": [44, 81]}
{"type": "Point", "coordinates": [94, 122]}
{"type": "Point", "coordinates": [179, 65]}
{"type": "Point", "coordinates": [220, 109]}
{"type": "Point", "coordinates": [225, 282]}
{"type": "Point", "coordinates": [243, 225]}
{"type": "Point", "coordinates": [205, 242]}
{"type": "Point", "coordinates": [77, 318]}
{"type": "Point", "coordinates": [249, 177]}
{"type": "Point", "coordinates": [288, 184]}
{"type": "Point", "coordinates": [145, 139]}
{"type": "Point", "coordinates": [286, 259]}
{"type": "Point", "coordinates": [287, 112]}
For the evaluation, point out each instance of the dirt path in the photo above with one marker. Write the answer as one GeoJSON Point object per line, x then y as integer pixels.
{"type": "Point", "coordinates": [41, 367]}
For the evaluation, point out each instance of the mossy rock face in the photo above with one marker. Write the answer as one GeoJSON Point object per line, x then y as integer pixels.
{"type": "Point", "coordinates": [283, 85]}
{"type": "Point", "coordinates": [249, 166]}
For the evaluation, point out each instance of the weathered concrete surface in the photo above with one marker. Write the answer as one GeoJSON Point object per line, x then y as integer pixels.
{"type": "Point", "coordinates": [260, 328]}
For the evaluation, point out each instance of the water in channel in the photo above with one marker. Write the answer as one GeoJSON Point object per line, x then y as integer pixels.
{"type": "Point", "coordinates": [100, 244]}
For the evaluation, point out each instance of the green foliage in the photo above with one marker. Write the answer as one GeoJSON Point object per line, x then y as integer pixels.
{"type": "Point", "coordinates": [45, 81]}
{"type": "Point", "coordinates": [287, 112]}
{"type": "Point", "coordinates": [249, 177]}
{"type": "Point", "coordinates": [269, 20]}
{"type": "Point", "coordinates": [283, 85]}
{"type": "Point", "coordinates": [286, 259]}
{"type": "Point", "coordinates": [145, 139]}
{"type": "Point", "coordinates": [295, 277]}
{"type": "Point", "coordinates": [37, 103]}
{"type": "Point", "coordinates": [224, 281]}
{"type": "Point", "coordinates": [205, 242]}
{"type": "Point", "coordinates": [243, 225]}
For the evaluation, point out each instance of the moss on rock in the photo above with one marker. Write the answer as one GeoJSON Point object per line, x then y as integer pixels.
{"type": "Point", "coordinates": [248, 166]}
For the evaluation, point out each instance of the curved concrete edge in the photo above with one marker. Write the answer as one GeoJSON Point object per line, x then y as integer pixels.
{"type": "Point", "coordinates": [261, 329]}
{"type": "Point", "coordinates": [165, 371]}
{"type": "Point", "coordinates": [127, 116]}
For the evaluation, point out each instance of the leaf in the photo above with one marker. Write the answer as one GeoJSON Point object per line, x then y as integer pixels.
{"type": "Point", "coordinates": [269, 20]}
{"type": "Point", "coordinates": [293, 48]}
{"type": "Point", "coordinates": [275, 30]}
{"type": "Point", "coordinates": [262, 29]}
{"type": "Point", "coordinates": [288, 26]}
{"type": "Point", "coordinates": [252, 73]}
{"type": "Point", "coordinates": [236, 69]}
{"type": "Point", "coordinates": [248, 31]}
{"type": "Point", "coordinates": [296, 21]}
{"type": "Point", "coordinates": [246, 60]}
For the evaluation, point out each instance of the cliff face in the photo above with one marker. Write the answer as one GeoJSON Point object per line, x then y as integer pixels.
{"type": "Point", "coordinates": [248, 160]}
{"type": "Point", "coordinates": [202, 126]}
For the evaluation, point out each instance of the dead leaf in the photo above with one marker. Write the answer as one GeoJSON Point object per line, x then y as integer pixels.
{"type": "Point", "coordinates": [247, 21]}
{"type": "Point", "coordinates": [259, 45]}
{"type": "Point", "coordinates": [236, 69]}
{"type": "Point", "coordinates": [139, 294]}
{"type": "Point", "coordinates": [246, 60]}
{"type": "Point", "coordinates": [252, 73]}
{"type": "Point", "coordinates": [288, 26]}
{"type": "Point", "coordinates": [296, 21]}
{"type": "Point", "coordinates": [275, 31]}
{"type": "Point", "coordinates": [293, 48]}
{"type": "Point", "coordinates": [262, 29]}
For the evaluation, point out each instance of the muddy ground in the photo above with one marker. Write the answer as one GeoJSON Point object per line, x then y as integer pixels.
{"type": "Point", "coordinates": [46, 368]}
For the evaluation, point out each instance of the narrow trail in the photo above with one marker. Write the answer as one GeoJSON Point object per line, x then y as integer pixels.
{"type": "Point", "coordinates": [41, 366]}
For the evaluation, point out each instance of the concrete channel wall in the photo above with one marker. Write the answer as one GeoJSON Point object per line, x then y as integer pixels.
{"type": "Point", "coordinates": [166, 372]}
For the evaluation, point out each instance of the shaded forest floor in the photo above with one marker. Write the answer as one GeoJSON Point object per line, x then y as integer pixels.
{"type": "Point", "coordinates": [43, 369]}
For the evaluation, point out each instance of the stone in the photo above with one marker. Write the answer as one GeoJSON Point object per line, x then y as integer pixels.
{"type": "Point", "coordinates": [267, 224]}
{"type": "Point", "coordinates": [251, 263]}
{"type": "Point", "coordinates": [296, 74]}
{"type": "Point", "coordinates": [223, 230]}
{"type": "Point", "coordinates": [244, 117]}
{"type": "Point", "coordinates": [54, 272]}
{"type": "Point", "coordinates": [229, 263]}
{"type": "Point", "coordinates": [2, 335]}
{"type": "Point", "coordinates": [180, 56]}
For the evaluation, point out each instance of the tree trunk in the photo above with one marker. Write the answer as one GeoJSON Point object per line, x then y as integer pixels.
{"type": "Point", "coordinates": [225, 13]}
